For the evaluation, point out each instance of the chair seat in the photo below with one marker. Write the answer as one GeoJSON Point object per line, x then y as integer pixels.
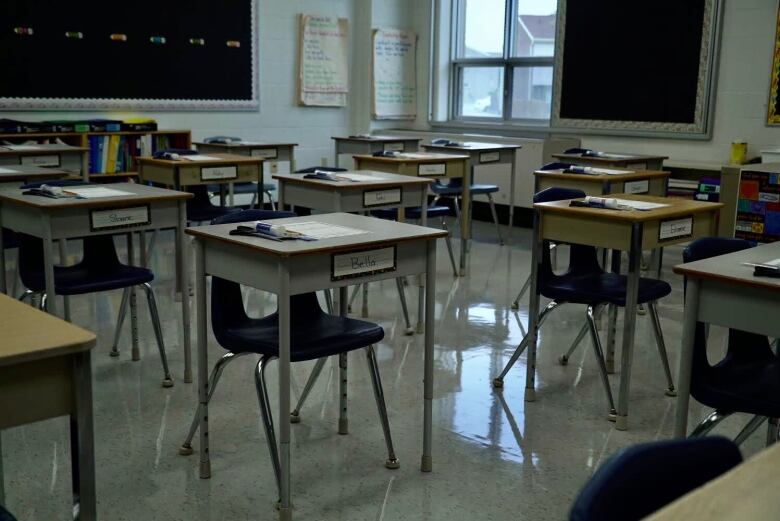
{"type": "Point", "coordinates": [78, 279]}
{"type": "Point", "coordinates": [601, 288]}
{"type": "Point", "coordinates": [752, 388]}
{"type": "Point", "coordinates": [207, 212]}
{"type": "Point", "coordinates": [412, 213]}
{"type": "Point", "coordinates": [244, 188]}
{"type": "Point", "coordinates": [477, 189]}
{"type": "Point", "coordinates": [323, 335]}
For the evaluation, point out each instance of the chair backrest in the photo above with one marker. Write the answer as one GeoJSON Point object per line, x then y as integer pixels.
{"type": "Point", "coordinates": [555, 165]}
{"type": "Point", "coordinates": [201, 195]}
{"type": "Point", "coordinates": [311, 169]}
{"type": "Point", "coordinates": [578, 150]}
{"type": "Point", "coordinates": [251, 215]}
{"type": "Point", "coordinates": [5, 515]}
{"type": "Point", "coordinates": [641, 479]}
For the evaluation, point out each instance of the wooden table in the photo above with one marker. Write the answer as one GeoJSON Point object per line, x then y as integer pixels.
{"type": "Point", "coordinates": [224, 170]}
{"type": "Point", "coordinates": [630, 231]}
{"type": "Point", "coordinates": [746, 492]}
{"type": "Point", "coordinates": [75, 159]}
{"type": "Point", "coordinates": [46, 372]}
{"type": "Point", "coordinates": [431, 166]}
{"type": "Point", "coordinates": [369, 144]}
{"type": "Point", "coordinates": [633, 161]}
{"type": "Point", "coordinates": [723, 292]}
{"type": "Point", "coordinates": [483, 154]}
{"type": "Point", "coordinates": [294, 267]}
{"type": "Point", "coordinates": [143, 208]}
{"type": "Point", "coordinates": [14, 175]}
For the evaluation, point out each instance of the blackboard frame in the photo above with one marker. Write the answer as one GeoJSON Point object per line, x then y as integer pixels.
{"type": "Point", "coordinates": [700, 128]}
{"type": "Point", "coordinates": [249, 103]}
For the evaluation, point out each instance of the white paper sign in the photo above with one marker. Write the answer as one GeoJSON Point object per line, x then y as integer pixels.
{"type": "Point", "coordinates": [359, 263]}
{"type": "Point", "coordinates": [218, 172]}
{"type": "Point", "coordinates": [394, 69]}
{"type": "Point", "coordinates": [120, 217]}
{"type": "Point", "coordinates": [637, 187]}
{"type": "Point", "coordinates": [268, 153]}
{"type": "Point", "coordinates": [381, 197]}
{"type": "Point", "coordinates": [489, 157]}
{"type": "Point", "coordinates": [393, 147]}
{"type": "Point", "coordinates": [432, 169]}
{"type": "Point", "coordinates": [47, 160]}
{"type": "Point", "coordinates": [675, 228]}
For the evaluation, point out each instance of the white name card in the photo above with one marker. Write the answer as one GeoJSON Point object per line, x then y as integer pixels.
{"type": "Point", "coordinates": [120, 218]}
{"type": "Point", "coordinates": [382, 197]}
{"type": "Point", "coordinates": [393, 147]}
{"type": "Point", "coordinates": [218, 172]}
{"type": "Point", "coordinates": [361, 263]}
{"type": "Point", "coordinates": [267, 153]}
{"type": "Point", "coordinates": [637, 187]}
{"type": "Point", "coordinates": [432, 169]}
{"type": "Point", "coordinates": [489, 157]}
{"type": "Point", "coordinates": [675, 228]}
{"type": "Point", "coordinates": [47, 160]}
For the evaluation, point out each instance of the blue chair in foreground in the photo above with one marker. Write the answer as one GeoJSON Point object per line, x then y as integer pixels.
{"type": "Point", "coordinates": [644, 478]}
{"type": "Point", "coordinates": [5, 515]}
{"type": "Point", "coordinates": [586, 283]}
{"type": "Point", "coordinates": [747, 379]}
{"type": "Point", "coordinates": [314, 335]}
{"type": "Point", "coordinates": [454, 190]}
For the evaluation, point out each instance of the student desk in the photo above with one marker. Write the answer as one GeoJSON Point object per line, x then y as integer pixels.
{"type": "Point", "coordinates": [633, 161]}
{"type": "Point", "coordinates": [294, 267]}
{"type": "Point", "coordinates": [432, 166]}
{"type": "Point", "coordinates": [224, 170]}
{"type": "Point", "coordinates": [723, 292]}
{"type": "Point", "coordinates": [45, 372]}
{"type": "Point", "coordinates": [66, 157]}
{"type": "Point", "coordinates": [484, 154]}
{"type": "Point", "coordinates": [143, 208]}
{"type": "Point", "coordinates": [369, 144]}
{"type": "Point", "coordinates": [650, 182]}
{"type": "Point", "coordinates": [15, 175]}
{"type": "Point", "coordinates": [630, 231]}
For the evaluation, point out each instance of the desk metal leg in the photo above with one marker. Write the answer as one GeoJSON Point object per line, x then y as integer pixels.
{"type": "Point", "coordinates": [285, 503]}
{"type": "Point", "coordinates": [336, 154]}
{"type": "Point", "coordinates": [203, 369]}
{"type": "Point", "coordinates": [686, 358]}
{"type": "Point", "coordinates": [183, 269]}
{"type": "Point", "coordinates": [612, 318]}
{"type": "Point", "coordinates": [343, 417]}
{"type": "Point", "coordinates": [512, 182]}
{"type": "Point", "coordinates": [63, 255]}
{"type": "Point", "coordinates": [533, 311]}
{"type": "Point", "coordinates": [136, 352]}
{"type": "Point", "coordinates": [231, 194]}
{"type": "Point", "coordinates": [629, 324]}
{"type": "Point", "coordinates": [82, 439]}
{"type": "Point", "coordinates": [2, 479]}
{"type": "Point", "coordinates": [421, 290]}
{"type": "Point", "coordinates": [3, 287]}
{"type": "Point", "coordinates": [430, 313]}
{"type": "Point", "coordinates": [48, 265]}
{"type": "Point", "coordinates": [465, 226]}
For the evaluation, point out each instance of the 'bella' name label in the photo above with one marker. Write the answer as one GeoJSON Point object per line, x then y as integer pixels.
{"type": "Point", "coordinates": [361, 263]}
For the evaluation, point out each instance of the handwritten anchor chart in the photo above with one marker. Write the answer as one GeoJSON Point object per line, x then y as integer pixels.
{"type": "Point", "coordinates": [394, 74]}
{"type": "Point", "coordinates": [323, 76]}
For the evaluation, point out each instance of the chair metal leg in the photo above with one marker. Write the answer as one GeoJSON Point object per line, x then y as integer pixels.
{"type": "Point", "coordinates": [379, 396]}
{"type": "Point", "coordinates": [659, 340]}
{"type": "Point", "coordinates": [295, 415]}
{"type": "Point", "coordinates": [343, 418]}
{"type": "Point", "coordinates": [268, 419]}
{"type": "Point", "coordinates": [772, 431]}
{"type": "Point", "coordinates": [216, 374]}
{"type": "Point", "coordinates": [27, 294]}
{"type": "Point", "coordinates": [709, 423]}
{"type": "Point", "coordinates": [599, 352]}
{"type": "Point", "coordinates": [352, 297]}
{"type": "Point", "coordinates": [526, 285]}
{"type": "Point", "coordinates": [499, 380]}
{"type": "Point", "coordinates": [253, 201]}
{"type": "Point", "coordinates": [402, 296]}
{"type": "Point", "coordinates": [450, 251]}
{"type": "Point", "coordinates": [364, 310]}
{"type": "Point", "coordinates": [564, 359]}
{"type": "Point", "coordinates": [754, 423]}
{"type": "Point", "coordinates": [495, 218]}
{"type": "Point", "coordinates": [271, 200]}
{"type": "Point", "coordinates": [167, 378]}
{"type": "Point", "coordinates": [120, 320]}
{"type": "Point", "coordinates": [328, 301]}
{"type": "Point", "coordinates": [42, 303]}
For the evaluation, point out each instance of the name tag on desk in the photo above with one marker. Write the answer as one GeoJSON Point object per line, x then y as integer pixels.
{"type": "Point", "coordinates": [267, 153]}
{"type": "Point", "coordinates": [47, 160]}
{"type": "Point", "coordinates": [363, 262]}
{"type": "Point", "coordinates": [432, 169]}
{"type": "Point", "coordinates": [114, 218]}
{"type": "Point", "coordinates": [382, 197]}
{"type": "Point", "coordinates": [213, 173]}
{"type": "Point", "coordinates": [675, 228]}
{"type": "Point", "coordinates": [637, 187]}
{"type": "Point", "coordinates": [489, 157]}
{"type": "Point", "coordinates": [393, 147]}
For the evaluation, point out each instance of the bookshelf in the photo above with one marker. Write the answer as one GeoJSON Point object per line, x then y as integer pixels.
{"type": "Point", "coordinates": [133, 143]}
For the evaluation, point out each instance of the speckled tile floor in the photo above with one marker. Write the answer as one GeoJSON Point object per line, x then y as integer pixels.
{"type": "Point", "coordinates": [495, 456]}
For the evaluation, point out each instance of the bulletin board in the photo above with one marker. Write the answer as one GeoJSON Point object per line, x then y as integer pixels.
{"type": "Point", "coordinates": [773, 107]}
{"type": "Point", "coordinates": [146, 54]}
{"type": "Point", "coordinates": [394, 74]}
{"type": "Point", "coordinates": [758, 207]}
{"type": "Point", "coordinates": [323, 65]}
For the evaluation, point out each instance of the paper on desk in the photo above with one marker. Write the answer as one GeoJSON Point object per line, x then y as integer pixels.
{"type": "Point", "coordinates": [768, 264]}
{"type": "Point", "coordinates": [199, 157]}
{"type": "Point", "coordinates": [614, 156]}
{"type": "Point", "coordinates": [95, 192]}
{"type": "Point", "coordinates": [320, 230]}
{"type": "Point", "coordinates": [414, 155]}
{"type": "Point", "coordinates": [23, 147]}
{"type": "Point", "coordinates": [608, 171]}
{"type": "Point", "coordinates": [641, 205]}
{"type": "Point", "coordinates": [8, 171]}
{"type": "Point", "coordinates": [358, 177]}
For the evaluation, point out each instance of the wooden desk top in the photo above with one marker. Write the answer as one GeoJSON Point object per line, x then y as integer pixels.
{"type": "Point", "coordinates": [629, 175]}
{"type": "Point", "coordinates": [472, 146]}
{"type": "Point", "coordinates": [383, 179]}
{"type": "Point", "coordinates": [244, 145]}
{"type": "Point", "coordinates": [29, 334]}
{"type": "Point", "coordinates": [729, 268]}
{"type": "Point", "coordinates": [611, 158]}
{"type": "Point", "coordinates": [376, 139]}
{"type": "Point", "coordinates": [139, 194]}
{"type": "Point", "coordinates": [414, 157]}
{"type": "Point", "coordinates": [22, 172]}
{"type": "Point", "coordinates": [379, 232]}
{"type": "Point", "coordinates": [675, 208]}
{"type": "Point", "coordinates": [40, 149]}
{"type": "Point", "coordinates": [223, 159]}
{"type": "Point", "coordinates": [748, 491]}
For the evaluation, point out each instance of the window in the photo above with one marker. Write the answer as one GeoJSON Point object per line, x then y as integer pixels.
{"type": "Point", "coordinates": [503, 60]}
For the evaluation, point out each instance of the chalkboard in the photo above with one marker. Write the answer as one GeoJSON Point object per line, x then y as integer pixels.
{"type": "Point", "coordinates": [323, 68]}
{"type": "Point", "coordinates": [635, 66]}
{"type": "Point", "coordinates": [394, 77]}
{"type": "Point", "coordinates": [93, 54]}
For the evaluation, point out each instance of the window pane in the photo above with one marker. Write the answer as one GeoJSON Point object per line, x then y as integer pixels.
{"type": "Point", "coordinates": [481, 92]}
{"type": "Point", "coordinates": [534, 28]}
{"type": "Point", "coordinates": [483, 27]}
{"type": "Point", "coordinates": [531, 92]}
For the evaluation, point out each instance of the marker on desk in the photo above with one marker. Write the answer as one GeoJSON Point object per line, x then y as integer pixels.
{"type": "Point", "coordinates": [607, 203]}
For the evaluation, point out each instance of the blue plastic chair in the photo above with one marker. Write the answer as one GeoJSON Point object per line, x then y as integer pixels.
{"type": "Point", "coordinates": [314, 334]}
{"type": "Point", "coordinates": [249, 188]}
{"type": "Point", "coordinates": [200, 208]}
{"type": "Point", "coordinates": [312, 169]}
{"type": "Point", "coordinates": [5, 515]}
{"type": "Point", "coordinates": [747, 379]}
{"type": "Point", "coordinates": [585, 282]}
{"type": "Point", "coordinates": [642, 479]}
{"type": "Point", "coordinates": [454, 190]}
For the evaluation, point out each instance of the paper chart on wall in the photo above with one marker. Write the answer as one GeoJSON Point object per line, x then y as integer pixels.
{"type": "Point", "coordinates": [394, 74]}
{"type": "Point", "coordinates": [323, 76]}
